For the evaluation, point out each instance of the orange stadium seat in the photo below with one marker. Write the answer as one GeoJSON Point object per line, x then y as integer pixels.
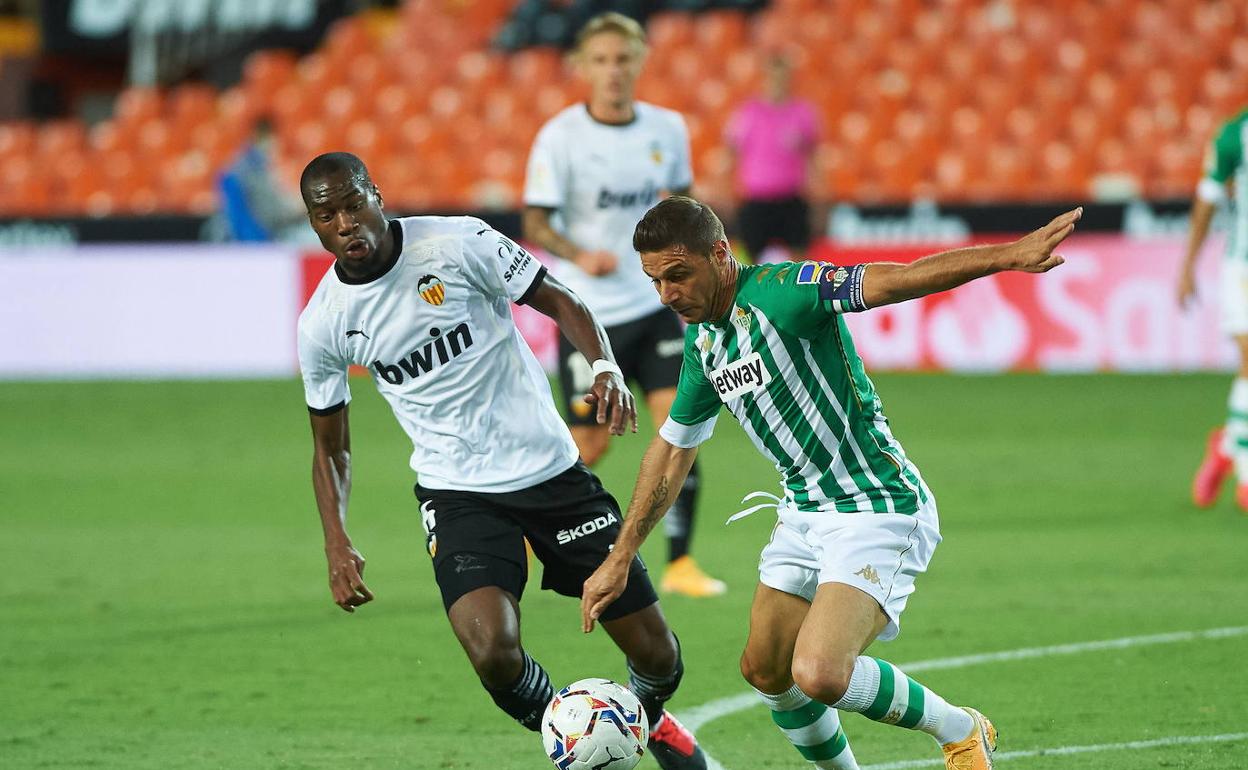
{"type": "Point", "coordinates": [670, 30]}
{"type": "Point", "coordinates": [136, 105]}
{"type": "Point", "coordinates": [953, 99]}
{"type": "Point", "coordinates": [18, 138]}
{"type": "Point", "coordinates": [267, 71]}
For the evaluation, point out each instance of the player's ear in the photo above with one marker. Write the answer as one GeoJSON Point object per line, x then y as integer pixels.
{"type": "Point", "coordinates": [381, 204]}
{"type": "Point", "coordinates": [720, 251]}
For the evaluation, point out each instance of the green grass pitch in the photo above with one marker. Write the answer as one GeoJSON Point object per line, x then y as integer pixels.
{"type": "Point", "coordinates": [163, 600]}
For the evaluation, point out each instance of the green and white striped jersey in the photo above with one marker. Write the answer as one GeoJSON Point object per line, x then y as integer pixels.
{"type": "Point", "coordinates": [1226, 160]}
{"type": "Point", "coordinates": [783, 363]}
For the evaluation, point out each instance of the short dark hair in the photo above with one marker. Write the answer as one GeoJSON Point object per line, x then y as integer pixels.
{"type": "Point", "coordinates": [334, 163]}
{"type": "Point", "coordinates": [678, 221]}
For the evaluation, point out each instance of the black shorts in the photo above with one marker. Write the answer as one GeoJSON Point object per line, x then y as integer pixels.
{"type": "Point", "coordinates": [785, 221]}
{"type": "Point", "coordinates": [477, 539]}
{"type": "Point", "coordinates": [648, 350]}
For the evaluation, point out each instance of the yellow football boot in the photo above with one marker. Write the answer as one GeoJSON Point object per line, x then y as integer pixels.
{"type": "Point", "coordinates": [975, 752]}
{"type": "Point", "coordinates": [685, 577]}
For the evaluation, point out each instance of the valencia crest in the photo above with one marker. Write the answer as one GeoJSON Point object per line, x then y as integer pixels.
{"type": "Point", "coordinates": [431, 289]}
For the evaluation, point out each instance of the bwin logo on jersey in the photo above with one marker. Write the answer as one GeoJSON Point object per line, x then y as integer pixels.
{"type": "Point", "coordinates": [565, 536]}
{"type": "Point", "coordinates": [429, 356]}
{"type": "Point", "coordinates": [738, 378]}
{"type": "Point", "coordinates": [646, 196]}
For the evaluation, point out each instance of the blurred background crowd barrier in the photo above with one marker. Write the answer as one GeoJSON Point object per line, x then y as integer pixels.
{"type": "Point", "coordinates": [942, 122]}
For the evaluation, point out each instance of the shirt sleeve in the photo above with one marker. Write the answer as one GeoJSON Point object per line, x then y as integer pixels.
{"type": "Point", "coordinates": [545, 182]}
{"type": "Point", "coordinates": [691, 419]}
{"type": "Point", "coordinates": [1225, 154]}
{"type": "Point", "coordinates": [681, 177]}
{"type": "Point", "coordinates": [497, 265]}
{"type": "Point", "coordinates": [324, 375]}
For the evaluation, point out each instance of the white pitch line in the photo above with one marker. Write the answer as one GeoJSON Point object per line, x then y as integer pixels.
{"type": "Point", "coordinates": [708, 712]}
{"type": "Point", "coordinates": [1179, 740]}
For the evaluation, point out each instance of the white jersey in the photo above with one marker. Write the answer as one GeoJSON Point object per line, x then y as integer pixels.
{"type": "Point", "coordinates": [436, 333]}
{"type": "Point", "coordinates": [601, 179]}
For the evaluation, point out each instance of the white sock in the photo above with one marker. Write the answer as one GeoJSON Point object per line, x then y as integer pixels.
{"type": "Point", "coordinates": [1235, 439]}
{"type": "Point", "coordinates": [812, 728]}
{"type": "Point", "coordinates": [879, 690]}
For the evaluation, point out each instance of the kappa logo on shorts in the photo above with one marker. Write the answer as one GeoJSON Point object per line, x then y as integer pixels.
{"type": "Point", "coordinates": [565, 536]}
{"type": "Point", "coordinates": [467, 561]}
{"type": "Point", "coordinates": [740, 378]}
{"type": "Point", "coordinates": [869, 574]}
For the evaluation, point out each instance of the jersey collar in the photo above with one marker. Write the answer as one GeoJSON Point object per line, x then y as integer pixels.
{"type": "Point", "coordinates": [625, 124]}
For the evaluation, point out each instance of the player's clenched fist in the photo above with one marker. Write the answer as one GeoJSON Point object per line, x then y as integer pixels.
{"type": "Point", "coordinates": [346, 577]}
{"type": "Point", "coordinates": [1033, 253]}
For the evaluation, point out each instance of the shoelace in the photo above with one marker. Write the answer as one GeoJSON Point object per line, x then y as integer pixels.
{"type": "Point", "coordinates": [774, 504]}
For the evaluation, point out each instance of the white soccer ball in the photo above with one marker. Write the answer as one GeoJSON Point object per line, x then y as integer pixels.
{"type": "Point", "coordinates": [594, 724]}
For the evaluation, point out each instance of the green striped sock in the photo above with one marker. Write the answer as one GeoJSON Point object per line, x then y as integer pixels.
{"type": "Point", "coordinates": [879, 690]}
{"type": "Point", "coordinates": [1237, 427]}
{"type": "Point", "coordinates": [813, 729]}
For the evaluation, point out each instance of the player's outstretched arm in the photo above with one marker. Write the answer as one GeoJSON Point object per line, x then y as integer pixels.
{"type": "Point", "coordinates": [885, 283]}
{"type": "Point", "coordinates": [609, 393]}
{"type": "Point", "coordinates": [331, 481]}
{"type": "Point", "coordinates": [662, 474]}
{"type": "Point", "coordinates": [1202, 215]}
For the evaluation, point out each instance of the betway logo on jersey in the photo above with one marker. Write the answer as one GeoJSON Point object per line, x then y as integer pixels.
{"type": "Point", "coordinates": [738, 378]}
{"type": "Point", "coordinates": [565, 536]}
{"type": "Point", "coordinates": [628, 199]}
{"type": "Point", "coordinates": [426, 358]}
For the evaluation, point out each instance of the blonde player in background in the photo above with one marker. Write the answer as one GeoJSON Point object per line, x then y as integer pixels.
{"type": "Point", "coordinates": [1227, 448]}
{"type": "Point", "coordinates": [595, 168]}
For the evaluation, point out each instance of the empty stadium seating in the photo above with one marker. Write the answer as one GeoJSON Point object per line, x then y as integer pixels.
{"type": "Point", "coordinates": [960, 100]}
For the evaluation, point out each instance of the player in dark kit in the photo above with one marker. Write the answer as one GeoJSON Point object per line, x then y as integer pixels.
{"type": "Point", "coordinates": [424, 304]}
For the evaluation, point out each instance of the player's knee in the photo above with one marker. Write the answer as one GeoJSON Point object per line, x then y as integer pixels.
{"type": "Point", "coordinates": [658, 657]}
{"type": "Point", "coordinates": [496, 657]}
{"type": "Point", "coordinates": [765, 674]}
{"type": "Point", "coordinates": [824, 679]}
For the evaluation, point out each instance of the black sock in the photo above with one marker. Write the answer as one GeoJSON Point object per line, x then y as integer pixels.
{"type": "Point", "coordinates": [525, 699]}
{"type": "Point", "coordinates": [680, 517]}
{"type": "Point", "coordinates": [654, 691]}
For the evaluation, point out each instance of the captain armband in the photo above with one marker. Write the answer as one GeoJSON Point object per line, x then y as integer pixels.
{"type": "Point", "coordinates": [842, 286]}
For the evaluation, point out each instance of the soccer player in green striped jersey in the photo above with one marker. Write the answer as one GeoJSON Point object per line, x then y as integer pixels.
{"type": "Point", "coordinates": [1225, 164]}
{"type": "Point", "coordinates": [856, 522]}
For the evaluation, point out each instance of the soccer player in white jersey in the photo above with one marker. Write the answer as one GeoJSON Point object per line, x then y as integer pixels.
{"type": "Point", "coordinates": [1226, 163]}
{"type": "Point", "coordinates": [856, 522]}
{"type": "Point", "coordinates": [594, 170]}
{"type": "Point", "coordinates": [424, 304]}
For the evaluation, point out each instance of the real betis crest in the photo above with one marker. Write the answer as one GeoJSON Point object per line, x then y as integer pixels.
{"type": "Point", "coordinates": [743, 318]}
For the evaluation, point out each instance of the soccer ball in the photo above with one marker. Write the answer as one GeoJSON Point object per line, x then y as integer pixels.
{"type": "Point", "coordinates": [594, 724]}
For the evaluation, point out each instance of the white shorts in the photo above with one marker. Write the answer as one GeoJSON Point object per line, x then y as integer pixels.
{"type": "Point", "coordinates": [878, 553]}
{"type": "Point", "coordinates": [1233, 291]}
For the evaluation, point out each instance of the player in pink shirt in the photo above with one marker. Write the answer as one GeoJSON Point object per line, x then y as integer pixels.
{"type": "Point", "coordinates": [774, 137]}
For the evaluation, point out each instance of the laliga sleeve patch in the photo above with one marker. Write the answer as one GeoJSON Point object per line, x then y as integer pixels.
{"type": "Point", "coordinates": [842, 287]}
